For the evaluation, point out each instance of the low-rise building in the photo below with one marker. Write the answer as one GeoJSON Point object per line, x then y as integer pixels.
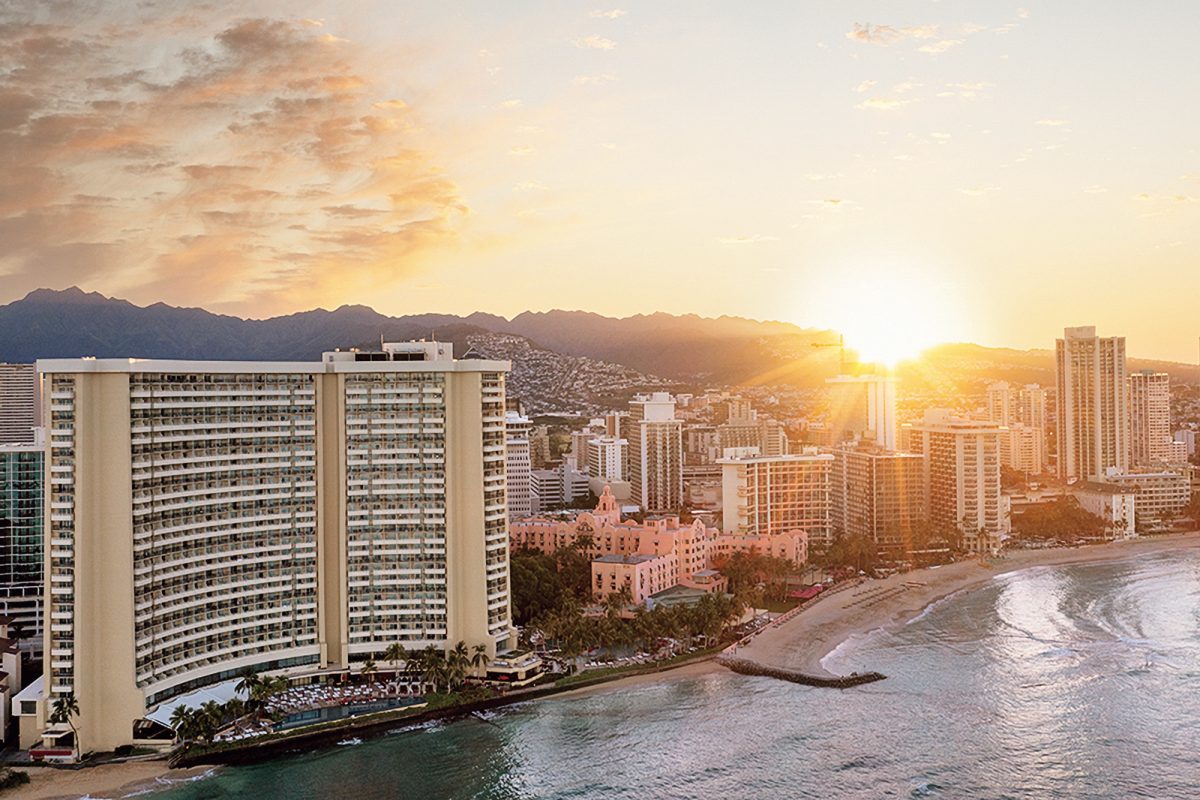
{"type": "Point", "coordinates": [1115, 504]}
{"type": "Point", "coordinates": [1161, 496]}
{"type": "Point", "coordinates": [650, 556]}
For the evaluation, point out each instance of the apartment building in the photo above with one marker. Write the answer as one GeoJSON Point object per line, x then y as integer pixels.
{"type": "Point", "coordinates": [879, 494]}
{"type": "Point", "coordinates": [862, 407]}
{"type": "Point", "coordinates": [518, 465]}
{"type": "Point", "coordinates": [962, 477]}
{"type": "Point", "coordinates": [18, 403]}
{"type": "Point", "coordinates": [1093, 414]}
{"type": "Point", "coordinates": [22, 511]}
{"type": "Point", "coordinates": [206, 517]}
{"type": "Point", "coordinates": [767, 495]}
{"type": "Point", "coordinates": [1150, 439]}
{"type": "Point", "coordinates": [655, 451]}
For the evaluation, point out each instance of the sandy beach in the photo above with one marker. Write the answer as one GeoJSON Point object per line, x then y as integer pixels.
{"type": "Point", "coordinates": [800, 644]}
{"type": "Point", "coordinates": [803, 641]}
{"type": "Point", "coordinates": [107, 781]}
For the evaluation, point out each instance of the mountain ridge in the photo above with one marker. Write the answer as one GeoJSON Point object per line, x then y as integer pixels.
{"type": "Point", "coordinates": [725, 350]}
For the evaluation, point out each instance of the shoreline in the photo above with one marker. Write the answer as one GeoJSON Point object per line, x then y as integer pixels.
{"type": "Point", "coordinates": [103, 781]}
{"type": "Point", "coordinates": [802, 643]}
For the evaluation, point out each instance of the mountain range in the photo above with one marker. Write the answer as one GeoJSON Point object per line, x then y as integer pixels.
{"type": "Point", "coordinates": [691, 349]}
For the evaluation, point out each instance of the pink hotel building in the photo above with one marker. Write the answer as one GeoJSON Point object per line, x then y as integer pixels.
{"type": "Point", "coordinates": [650, 556]}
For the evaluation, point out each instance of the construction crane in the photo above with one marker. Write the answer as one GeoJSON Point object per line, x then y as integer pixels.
{"type": "Point", "coordinates": [840, 344]}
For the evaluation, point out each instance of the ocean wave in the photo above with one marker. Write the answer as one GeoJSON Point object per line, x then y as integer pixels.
{"type": "Point", "coordinates": [851, 643]}
{"type": "Point", "coordinates": [925, 612]}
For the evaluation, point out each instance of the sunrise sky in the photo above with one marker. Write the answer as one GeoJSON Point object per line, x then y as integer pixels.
{"type": "Point", "coordinates": [979, 171]}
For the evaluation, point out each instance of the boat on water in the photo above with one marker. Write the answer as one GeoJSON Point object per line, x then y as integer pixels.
{"type": "Point", "coordinates": [349, 742]}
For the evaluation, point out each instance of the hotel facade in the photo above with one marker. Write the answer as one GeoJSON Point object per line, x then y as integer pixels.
{"type": "Point", "coordinates": [771, 495]}
{"type": "Point", "coordinates": [962, 477]}
{"type": "Point", "coordinates": [207, 517]}
{"type": "Point", "coordinates": [1093, 410]}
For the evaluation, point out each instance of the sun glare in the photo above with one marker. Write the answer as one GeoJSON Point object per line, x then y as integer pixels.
{"type": "Point", "coordinates": [890, 317]}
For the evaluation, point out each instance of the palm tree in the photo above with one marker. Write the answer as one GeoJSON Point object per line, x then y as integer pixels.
{"type": "Point", "coordinates": [458, 660]}
{"type": "Point", "coordinates": [251, 685]}
{"type": "Point", "coordinates": [212, 716]}
{"type": "Point", "coordinates": [479, 656]}
{"type": "Point", "coordinates": [395, 653]}
{"type": "Point", "coordinates": [432, 663]}
{"type": "Point", "coordinates": [65, 709]}
{"type": "Point", "coordinates": [368, 670]}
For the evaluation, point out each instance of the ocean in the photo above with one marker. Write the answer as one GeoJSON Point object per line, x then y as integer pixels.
{"type": "Point", "coordinates": [1078, 681]}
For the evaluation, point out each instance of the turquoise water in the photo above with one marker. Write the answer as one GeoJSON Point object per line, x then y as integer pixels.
{"type": "Point", "coordinates": [1079, 681]}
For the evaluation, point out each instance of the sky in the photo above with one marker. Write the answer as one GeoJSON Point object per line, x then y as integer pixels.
{"type": "Point", "coordinates": [921, 171]}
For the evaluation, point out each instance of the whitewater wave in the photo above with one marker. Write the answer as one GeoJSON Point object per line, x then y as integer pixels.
{"type": "Point", "coordinates": [925, 612]}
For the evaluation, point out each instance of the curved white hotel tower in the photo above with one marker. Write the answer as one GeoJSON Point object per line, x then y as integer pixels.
{"type": "Point", "coordinates": [205, 517]}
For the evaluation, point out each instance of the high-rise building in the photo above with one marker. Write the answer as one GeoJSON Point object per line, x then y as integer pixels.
{"type": "Point", "coordinates": [1022, 409]}
{"type": "Point", "coordinates": [769, 495]}
{"type": "Point", "coordinates": [863, 407]}
{"type": "Point", "coordinates": [551, 489]}
{"type": "Point", "coordinates": [18, 403]}
{"type": "Point", "coordinates": [1150, 418]}
{"type": "Point", "coordinates": [518, 465]}
{"type": "Point", "coordinates": [962, 477]}
{"type": "Point", "coordinates": [22, 512]}
{"type": "Point", "coordinates": [1022, 448]}
{"type": "Point", "coordinates": [207, 517]}
{"type": "Point", "coordinates": [879, 494]}
{"type": "Point", "coordinates": [655, 439]}
{"type": "Point", "coordinates": [607, 456]}
{"type": "Point", "coordinates": [1093, 419]}
{"type": "Point", "coordinates": [1002, 403]}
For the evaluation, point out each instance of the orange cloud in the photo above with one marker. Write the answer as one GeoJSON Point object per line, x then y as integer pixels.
{"type": "Point", "coordinates": [268, 164]}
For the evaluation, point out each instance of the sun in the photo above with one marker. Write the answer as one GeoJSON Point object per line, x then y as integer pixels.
{"type": "Point", "coordinates": [888, 316]}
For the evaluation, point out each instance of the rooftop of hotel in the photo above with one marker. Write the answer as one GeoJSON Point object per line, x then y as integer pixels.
{"type": "Point", "coordinates": [419, 356]}
{"type": "Point", "coordinates": [617, 558]}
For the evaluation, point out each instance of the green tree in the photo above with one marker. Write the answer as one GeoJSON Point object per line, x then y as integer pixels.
{"type": "Point", "coordinates": [394, 654]}
{"type": "Point", "coordinates": [535, 584]}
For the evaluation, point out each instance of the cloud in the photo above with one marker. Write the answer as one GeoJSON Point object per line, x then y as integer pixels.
{"type": "Point", "coordinates": [594, 80]}
{"type": "Point", "coordinates": [966, 90]}
{"type": "Point", "coordinates": [867, 33]}
{"type": "Point", "coordinates": [1052, 123]}
{"type": "Point", "coordinates": [882, 104]}
{"type": "Point", "coordinates": [522, 150]}
{"type": "Point", "coordinates": [755, 239]}
{"type": "Point", "coordinates": [1023, 13]}
{"type": "Point", "coordinates": [239, 163]}
{"type": "Point", "coordinates": [940, 46]}
{"type": "Point", "coordinates": [595, 42]}
{"type": "Point", "coordinates": [609, 14]}
{"type": "Point", "coordinates": [864, 86]}
{"type": "Point", "coordinates": [511, 103]}
{"type": "Point", "coordinates": [530, 186]}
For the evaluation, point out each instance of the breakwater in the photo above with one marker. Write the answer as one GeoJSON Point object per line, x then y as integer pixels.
{"type": "Point", "coordinates": [744, 666]}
